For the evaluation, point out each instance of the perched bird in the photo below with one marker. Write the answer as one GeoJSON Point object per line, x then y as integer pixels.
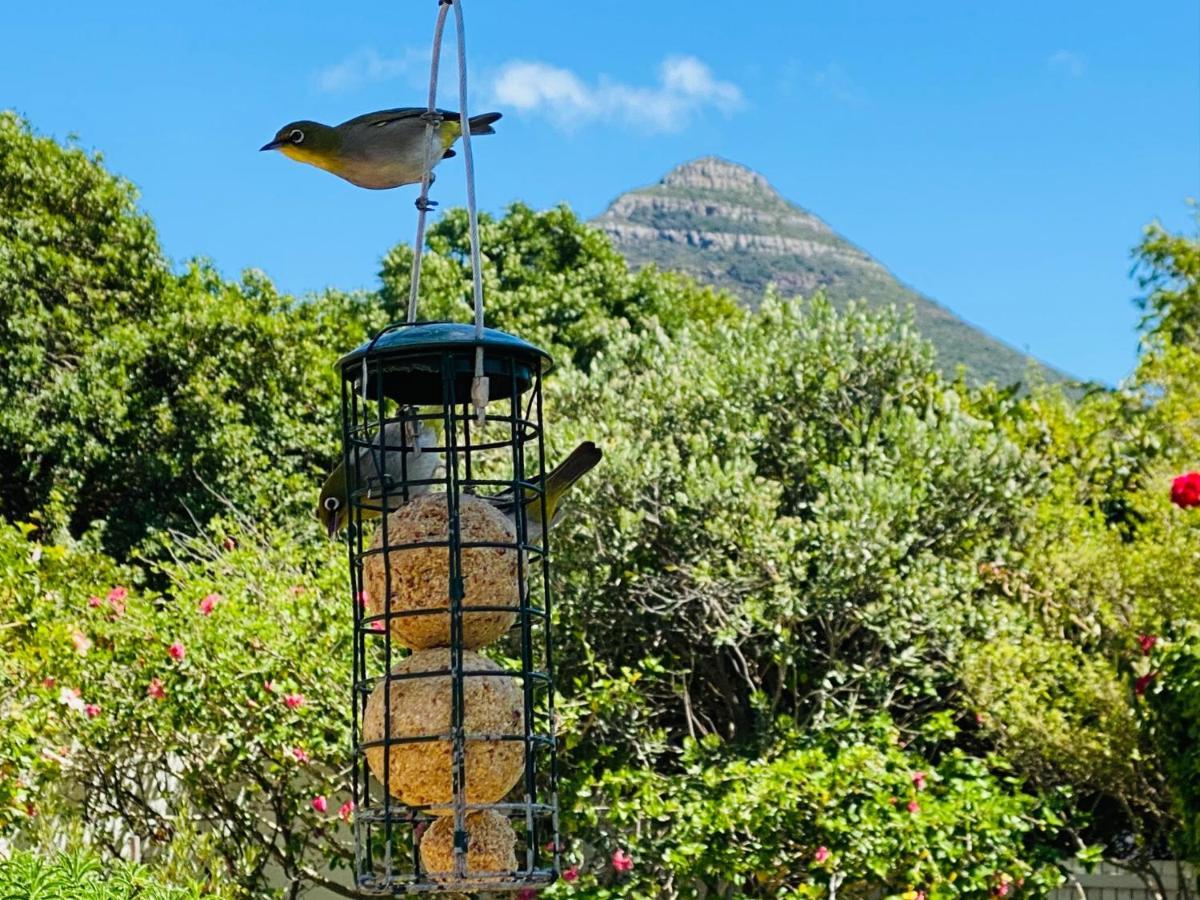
{"type": "Point", "coordinates": [560, 480]}
{"type": "Point", "coordinates": [379, 150]}
{"type": "Point", "coordinates": [420, 464]}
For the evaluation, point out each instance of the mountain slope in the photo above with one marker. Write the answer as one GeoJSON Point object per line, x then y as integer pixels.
{"type": "Point", "coordinates": [725, 225]}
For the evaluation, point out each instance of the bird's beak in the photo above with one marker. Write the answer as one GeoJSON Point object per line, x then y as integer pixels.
{"type": "Point", "coordinates": [272, 145]}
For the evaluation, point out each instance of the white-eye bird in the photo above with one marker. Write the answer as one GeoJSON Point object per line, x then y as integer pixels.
{"type": "Point", "coordinates": [379, 150]}
{"type": "Point", "coordinates": [419, 464]}
{"type": "Point", "coordinates": [560, 480]}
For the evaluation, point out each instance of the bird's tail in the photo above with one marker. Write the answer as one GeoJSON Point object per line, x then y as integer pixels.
{"type": "Point", "coordinates": [581, 461]}
{"type": "Point", "coordinates": [482, 124]}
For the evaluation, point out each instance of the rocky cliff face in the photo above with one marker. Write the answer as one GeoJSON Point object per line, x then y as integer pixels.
{"type": "Point", "coordinates": [724, 224]}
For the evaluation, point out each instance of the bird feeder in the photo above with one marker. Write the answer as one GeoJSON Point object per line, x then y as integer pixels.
{"type": "Point", "coordinates": [455, 780]}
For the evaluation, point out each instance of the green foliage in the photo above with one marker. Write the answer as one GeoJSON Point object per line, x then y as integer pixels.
{"type": "Point", "coordinates": [1173, 701]}
{"type": "Point", "coordinates": [1169, 267]}
{"type": "Point", "coordinates": [549, 278]}
{"type": "Point", "coordinates": [114, 371]}
{"type": "Point", "coordinates": [80, 876]}
{"type": "Point", "coordinates": [846, 811]}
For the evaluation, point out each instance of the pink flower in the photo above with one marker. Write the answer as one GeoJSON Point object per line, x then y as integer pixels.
{"type": "Point", "coordinates": [377, 625]}
{"type": "Point", "coordinates": [118, 605]}
{"type": "Point", "coordinates": [92, 710]}
{"type": "Point", "coordinates": [94, 601]}
{"type": "Point", "coordinates": [81, 642]}
{"type": "Point", "coordinates": [319, 804]}
{"type": "Point", "coordinates": [1185, 490]}
{"type": "Point", "coordinates": [913, 807]}
{"type": "Point", "coordinates": [117, 594]}
{"type": "Point", "coordinates": [526, 894]}
{"type": "Point", "coordinates": [1147, 642]}
{"type": "Point", "coordinates": [621, 861]}
{"type": "Point", "coordinates": [920, 895]}
{"type": "Point", "coordinates": [209, 603]}
{"type": "Point", "coordinates": [571, 874]}
{"type": "Point", "coordinates": [300, 755]}
{"type": "Point", "coordinates": [155, 690]}
{"type": "Point", "coordinates": [1002, 889]}
{"type": "Point", "coordinates": [176, 651]}
{"type": "Point", "coordinates": [1139, 686]}
{"type": "Point", "coordinates": [361, 599]}
{"type": "Point", "coordinates": [822, 854]}
{"type": "Point", "coordinates": [345, 810]}
{"type": "Point", "coordinates": [294, 701]}
{"type": "Point", "coordinates": [297, 590]}
{"type": "Point", "coordinates": [269, 686]}
{"type": "Point", "coordinates": [918, 780]}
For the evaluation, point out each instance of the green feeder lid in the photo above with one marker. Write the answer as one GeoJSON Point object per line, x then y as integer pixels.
{"type": "Point", "coordinates": [410, 357]}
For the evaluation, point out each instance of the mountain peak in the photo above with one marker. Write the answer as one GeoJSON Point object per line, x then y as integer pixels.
{"type": "Point", "coordinates": [715, 173]}
{"type": "Point", "coordinates": [724, 224]}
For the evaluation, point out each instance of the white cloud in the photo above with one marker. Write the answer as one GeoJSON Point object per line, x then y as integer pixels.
{"type": "Point", "coordinates": [685, 87]}
{"type": "Point", "coordinates": [837, 83]}
{"type": "Point", "coordinates": [1068, 61]}
{"type": "Point", "coordinates": [366, 66]}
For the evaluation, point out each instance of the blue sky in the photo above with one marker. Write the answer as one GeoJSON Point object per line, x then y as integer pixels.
{"type": "Point", "coordinates": [1001, 158]}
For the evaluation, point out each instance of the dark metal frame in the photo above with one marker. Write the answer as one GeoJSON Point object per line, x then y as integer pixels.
{"type": "Point", "coordinates": [403, 369]}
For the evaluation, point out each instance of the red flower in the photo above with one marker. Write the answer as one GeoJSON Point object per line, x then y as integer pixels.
{"type": "Point", "coordinates": [345, 810]}
{"type": "Point", "coordinates": [1185, 490]}
{"type": "Point", "coordinates": [156, 691]}
{"type": "Point", "coordinates": [913, 807]}
{"type": "Point", "coordinates": [209, 603]}
{"type": "Point", "coordinates": [918, 780]}
{"type": "Point", "coordinates": [94, 601]}
{"type": "Point", "coordinates": [621, 861]}
{"type": "Point", "coordinates": [319, 804]}
{"type": "Point", "coordinates": [117, 594]}
{"type": "Point", "coordinates": [822, 854]}
{"type": "Point", "coordinates": [526, 894]}
{"type": "Point", "coordinates": [92, 710]}
{"type": "Point", "coordinates": [361, 599]}
{"type": "Point", "coordinates": [176, 651]}
{"type": "Point", "coordinates": [300, 755]}
{"type": "Point", "coordinates": [1147, 642]}
{"type": "Point", "coordinates": [47, 682]}
{"type": "Point", "coordinates": [571, 874]}
{"type": "Point", "coordinates": [294, 701]}
{"type": "Point", "coordinates": [1139, 686]}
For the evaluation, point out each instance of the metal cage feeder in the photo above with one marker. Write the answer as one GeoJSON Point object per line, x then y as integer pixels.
{"type": "Point", "coordinates": [455, 774]}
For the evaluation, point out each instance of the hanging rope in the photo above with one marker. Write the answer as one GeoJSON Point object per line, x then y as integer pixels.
{"type": "Point", "coordinates": [433, 121]}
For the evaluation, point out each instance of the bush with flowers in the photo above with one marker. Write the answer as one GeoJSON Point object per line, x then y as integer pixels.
{"type": "Point", "coordinates": [203, 717]}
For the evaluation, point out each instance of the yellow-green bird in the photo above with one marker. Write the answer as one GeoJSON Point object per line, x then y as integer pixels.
{"type": "Point", "coordinates": [379, 150]}
{"type": "Point", "coordinates": [560, 480]}
{"type": "Point", "coordinates": [420, 464]}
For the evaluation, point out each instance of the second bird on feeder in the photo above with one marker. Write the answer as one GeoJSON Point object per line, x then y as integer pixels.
{"type": "Point", "coordinates": [378, 150]}
{"type": "Point", "coordinates": [334, 515]}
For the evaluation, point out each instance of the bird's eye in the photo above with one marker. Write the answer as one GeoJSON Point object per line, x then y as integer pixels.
{"type": "Point", "coordinates": [332, 503]}
{"type": "Point", "coordinates": [296, 136]}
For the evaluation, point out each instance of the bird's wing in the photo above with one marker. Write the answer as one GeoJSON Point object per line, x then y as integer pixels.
{"type": "Point", "coordinates": [388, 116]}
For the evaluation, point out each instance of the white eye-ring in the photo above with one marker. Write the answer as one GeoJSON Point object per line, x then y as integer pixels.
{"type": "Point", "coordinates": [296, 136]}
{"type": "Point", "coordinates": [332, 503]}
